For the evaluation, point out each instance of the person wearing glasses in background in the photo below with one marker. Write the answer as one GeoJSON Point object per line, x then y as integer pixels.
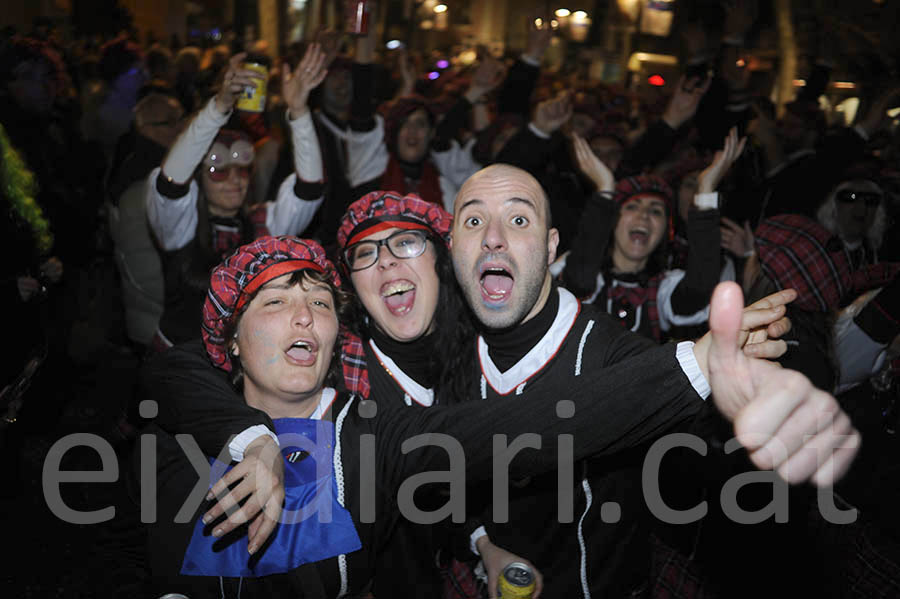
{"type": "Point", "coordinates": [196, 198]}
{"type": "Point", "coordinates": [854, 211]}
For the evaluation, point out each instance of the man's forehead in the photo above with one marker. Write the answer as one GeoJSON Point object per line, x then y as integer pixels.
{"type": "Point", "coordinates": [499, 187]}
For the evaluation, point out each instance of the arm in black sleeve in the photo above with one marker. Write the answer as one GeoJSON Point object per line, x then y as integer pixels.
{"type": "Point", "coordinates": [703, 263]}
{"type": "Point", "coordinates": [455, 119]}
{"type": "Point", "coordinates": [515, 93]}
{"type": "Point", "coordinates": [196, 398]}
{"type": "Point", "coordinates": [588, 249]}
{"type": "Point", "coordinates": [362, 107]}
{"type": "Point", "coordinates": [529, 151]}
{"type": "Point", "coordinates": [614, 411]}
{"type": "Point", "coordinates": [650, 149]}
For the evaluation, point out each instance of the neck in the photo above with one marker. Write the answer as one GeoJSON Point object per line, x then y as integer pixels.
{"type": "Point", "coordinates": [546, 288]}
{"type": "Point", "coordinates": [216, 211]}
{"type": "Point", "coordinates": [508, 346]}
{"type": "Point", "coordinates": [281, 407]}
{"type": "Point", "coordinates": [413, 357]}
{"type": "Point", "coordinates": [624, 264]}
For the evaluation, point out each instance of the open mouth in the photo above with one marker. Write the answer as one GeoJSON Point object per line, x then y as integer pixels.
{"type": "Point", "coordinates": [398, 296]}
{"type": "Point", "coordinates": [302, 352]}
{"type": "Point", "coordinates": [496, 283]}
{"type": "Point", "coordinates": [639, 235]}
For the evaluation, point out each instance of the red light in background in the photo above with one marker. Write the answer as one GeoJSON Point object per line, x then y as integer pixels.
{"type": "Point", "coordinates": [656, 80]}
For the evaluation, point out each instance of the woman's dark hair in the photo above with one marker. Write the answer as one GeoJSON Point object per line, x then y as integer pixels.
{"type": "Point", "coordinates": [343, 305]}
{"type": "Point", "coordinates": [656, 261]}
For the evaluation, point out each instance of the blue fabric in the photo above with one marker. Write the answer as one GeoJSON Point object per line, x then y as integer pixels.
{"type": "Point", "coordinates": [313, 525]}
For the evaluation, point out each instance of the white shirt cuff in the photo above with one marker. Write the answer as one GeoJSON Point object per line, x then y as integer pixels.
{"type": "Point", "coordinates": [477, 534]}
{"type": "Point", "coordinates": [538, 132]}
{"type": "Point", "coordinates": [239, 444]}
{"type": "Point", "coordinates": [529, 60]}
{"type": "Point", "coordinates": [684, 352]}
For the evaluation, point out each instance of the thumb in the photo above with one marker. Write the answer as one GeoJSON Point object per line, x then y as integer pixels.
{"type": "Point", "coordinates": [285, 72]}
{"type": "Point", "coordinates": [725, 311]}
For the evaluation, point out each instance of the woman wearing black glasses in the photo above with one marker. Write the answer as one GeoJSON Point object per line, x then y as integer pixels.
{"type": "Point", "coordinates": [196, 198]}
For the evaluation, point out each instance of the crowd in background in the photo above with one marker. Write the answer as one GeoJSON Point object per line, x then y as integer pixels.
{"type": "Point", "coordinates": [116, 209]}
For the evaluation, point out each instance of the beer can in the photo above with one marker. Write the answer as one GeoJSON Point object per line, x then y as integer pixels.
{"type": "Point", "coordinates": [253, 99]}
{"type": "Point", "coordinates": [516, 581]}
{"type": "Point", "coordinates": [356, 13]}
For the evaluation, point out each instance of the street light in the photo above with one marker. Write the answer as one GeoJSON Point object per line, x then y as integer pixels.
{"type": "Point", "coordinates": [440, 8]}
{"type": "Point", "coordinates": [562, 12]}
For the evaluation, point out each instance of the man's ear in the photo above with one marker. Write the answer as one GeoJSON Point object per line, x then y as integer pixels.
{"type": "Point", "coordinates": [552, 244]}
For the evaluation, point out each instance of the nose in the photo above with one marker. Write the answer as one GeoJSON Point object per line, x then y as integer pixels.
{"type": "Point", "coordinates": [494, 239]}
{"type": "Point", "coordinates": [302, 315]}
{"type": "Point", "coordinates": [385, 258]}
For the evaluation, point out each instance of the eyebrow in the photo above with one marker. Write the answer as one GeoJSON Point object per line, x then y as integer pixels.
{"type": "Point", "coordinates": [514, 200]}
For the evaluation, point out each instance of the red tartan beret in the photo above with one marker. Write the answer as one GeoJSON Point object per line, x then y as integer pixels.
{"type": "Point", "coordinates": [631, 187]}
{"type": "Point", "coordinates": [251, 266]}
{"type": "Point", "coordinates": [381, 210]}
{"type": "Point", "coordinates": [796, 252]}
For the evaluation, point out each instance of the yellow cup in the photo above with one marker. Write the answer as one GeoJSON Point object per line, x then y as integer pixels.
{"type": "Point", "coordinates": [253, 99]}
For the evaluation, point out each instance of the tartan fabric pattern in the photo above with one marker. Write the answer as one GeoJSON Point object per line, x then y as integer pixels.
{"type": "Point", "coordinates": [378, 206]}
{"type": "Point", "coordinates": [240, 269]}
{"type": "Point", "coordinates": [641, 295]}
{"type": "Point", "coordinates": [796, 252]}
{"type": "Point", "coordinates": [629, 187]}
{"type": "Point", "coordinates": [353, 365]}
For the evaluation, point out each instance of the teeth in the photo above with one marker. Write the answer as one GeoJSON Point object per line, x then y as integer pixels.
{"type": "Point", "coordinates": [302, 345]}
{"type": "Point", "coordinates": [397, 287]}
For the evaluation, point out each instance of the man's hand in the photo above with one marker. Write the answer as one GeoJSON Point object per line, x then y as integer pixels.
{"type": "Point", "coordinates": [736, 239]}
{"type": "Point", "coordinates": [496, 558]}
{"type": "Point", "coordinates": [784, 422]}
{"type": "Point", "coordinates": [236, 80]}
{"type": "Point", "coordinates": [684, 102]}
{"type": "Point", "coordinates": [592, 166]}
{"type": "Point", "coordinates": [261, 483]}
{"type": "Point", "coordinates": [538, 40]}
{"type": "Point", "coordinates": [489, 74]}
{"type": "Point", "coordinates": [763, 323]}
{"type": "Point", "coordinates": [552, 114]}
{"type": "Point", "coordinates": [296, 86]}
{"type": "Point", "coordinates": [709, 179]}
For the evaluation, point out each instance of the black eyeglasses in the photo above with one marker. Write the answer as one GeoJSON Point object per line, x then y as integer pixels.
{"type": "Point", "coordinates": [847, 196]}
{"type": "Point", "coordinates": [402, 244]}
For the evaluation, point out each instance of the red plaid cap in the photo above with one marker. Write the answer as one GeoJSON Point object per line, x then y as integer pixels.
{"type": "Point", "coordinates": [796, 252]}
{"type": "Point", "coordinates": [397, 112]}
{"type": "Point", "coordinates": [251, 266]}
{"type": "Point", "coordinates": [633, 187]}
{"type": "Point", "coordinates": [381, 210]}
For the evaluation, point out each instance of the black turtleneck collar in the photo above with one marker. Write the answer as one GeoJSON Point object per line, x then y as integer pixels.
{"type": "Point", "coordinates": [413, 357]}
{"type": "Point", "coordinates": [411, 170]}
{"type": "Point", "coordinates": [508, 346]}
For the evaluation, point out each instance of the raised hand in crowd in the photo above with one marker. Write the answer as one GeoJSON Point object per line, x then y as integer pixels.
{"type": "Point", "coordinates": [539, 37]}
{"type": "Point", "coordinates": [296, 86]}
{"type": "Point", "coordinates": [330, 42]}
{"type": "Point", "coordinates": [592, 167]}
{"type": "Point", "coordinates": [764, 323]}
{"type": "Point", "coordinates": [496, 558]}
{"type": "Point", "coordinates": [783, 421]}
{"type": "Point", "coordinates": [28, 287]}
{"type": "Point", "coordinates": [365, 48]}
{"type": "Point", "coordinates": [407, 73]}
{"type": "Point", "coordinates": [552, 114]}
{"type": "Point", "coordinates": [876, 117]}
{"type": "Point", "coordinates": [52, 269]}
{"type": "Point", "coordinates": [737, 239]}
{"type": "Point", "coordinates": [684, 102]}
{"type": "Point", "coordinates": [236, 80]}
{"type": "Point", "coordinates": [708, 180]}
{"type": "Point", "coordinates": [487, 77]}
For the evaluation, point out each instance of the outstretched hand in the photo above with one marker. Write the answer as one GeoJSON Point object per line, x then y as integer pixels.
{"type": "Point", "coordinates": [708, 180]}
{"type": "Point", "coordinates": [684, 102]}
{"type": "Point", "coordinates": [593, 168]}
{"type": "Point", "coordinates": [495, 559]}
{"type": "Point", "coordinates": [260, 486]}
{"type": "Point", "coordinates": [296, 86]}
{"type": "Point", "coordinates": [784, 422]}
{"type": "Point", "coordinates": [553, 113]}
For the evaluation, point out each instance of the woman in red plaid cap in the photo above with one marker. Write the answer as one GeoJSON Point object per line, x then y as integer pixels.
{"type": "Point", "coordinates": [623, 265]}
{"type": "Point", "coordinates": [196, 198]}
